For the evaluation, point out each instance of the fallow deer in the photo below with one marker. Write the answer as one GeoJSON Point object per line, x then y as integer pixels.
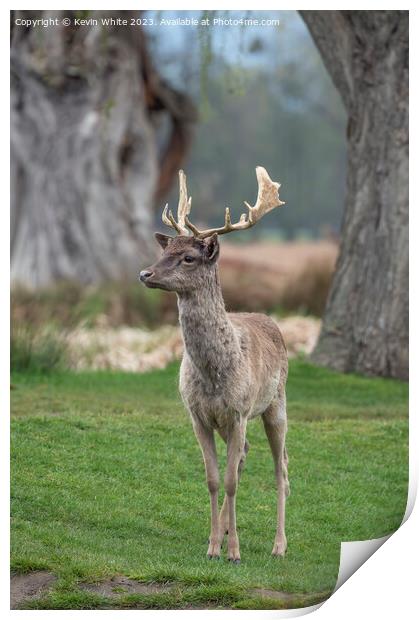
{"type": "Point", "coordinates": [234, 366]}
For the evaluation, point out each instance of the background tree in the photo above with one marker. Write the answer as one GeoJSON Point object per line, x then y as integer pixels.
{"type": "Point", "coordinates": [84, 153]}
{"type": "Point", "coordinates": [365, 325]}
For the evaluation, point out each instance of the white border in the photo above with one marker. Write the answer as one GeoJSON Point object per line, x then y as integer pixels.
{"type": "Point", "coordinates": [385, 586]}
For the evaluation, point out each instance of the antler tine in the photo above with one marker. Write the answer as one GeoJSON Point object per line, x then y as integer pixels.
{"type": "Point", "coordinates": [169, 220]}
{"type": "Point", "coordinates": [185, 203]}
{"type": "Point", "coordinates": [201, 234]}
{"type": "Point", "coordinates": [183, 210]}
{"type": "Point", "coordinates": [267, 199]}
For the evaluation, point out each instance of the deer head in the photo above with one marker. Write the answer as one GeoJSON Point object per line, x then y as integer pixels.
{"type": "Point", "coordinates": [188, 256]}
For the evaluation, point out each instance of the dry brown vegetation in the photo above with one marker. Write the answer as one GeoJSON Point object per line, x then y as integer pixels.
{"type": "Point", "coordinates": [124, 326]}
{"type": "Point", "coordinates": [137, 350]}
{"type": "Point", "coordinates": [293, 276]}
{"type": "Point", "coordinates": [268, 276]}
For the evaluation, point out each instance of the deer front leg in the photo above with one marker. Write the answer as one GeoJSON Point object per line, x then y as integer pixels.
{"type": "Point", "coordinates": [206, 441]}
{"type": "Point", "coordinates": [224, 509]}
{"type": "Point", "coordinates": [235, 452]}
{"type": "Point", "coordinates": [275, 423]}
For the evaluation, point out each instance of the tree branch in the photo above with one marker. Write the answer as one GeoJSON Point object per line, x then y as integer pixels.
{"type": "Point", "coordinates": [333, 37]}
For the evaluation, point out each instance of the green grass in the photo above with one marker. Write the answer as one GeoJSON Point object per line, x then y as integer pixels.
{"type": "Point", "coordinates": [37, 350]}
{"type": "Point", "coordinates": [107, 478]}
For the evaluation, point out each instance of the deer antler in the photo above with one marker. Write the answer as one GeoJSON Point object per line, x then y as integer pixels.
{"type": "Point", "coordinates": [267, 200]}
{"type": "Point", "coordinates": [183, 209]}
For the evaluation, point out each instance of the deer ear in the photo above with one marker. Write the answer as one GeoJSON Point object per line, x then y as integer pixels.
{"type": "Point", "coordinates": [163, 240]}
{"type": "Point", "coordinates": [212, 249]}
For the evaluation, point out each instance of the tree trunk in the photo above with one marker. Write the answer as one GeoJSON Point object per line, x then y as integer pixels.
{"type": "Point", "coordinates": [85, 164]}
{"type": "Point", "coordinates": [365, 326]}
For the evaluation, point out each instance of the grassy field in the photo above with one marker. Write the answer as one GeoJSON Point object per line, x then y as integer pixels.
{"type": "Point", "coordinates": [108, 479]}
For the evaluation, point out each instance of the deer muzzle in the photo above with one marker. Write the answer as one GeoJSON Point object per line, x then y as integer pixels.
{"type": "Point", "coordinates": [145, 275]}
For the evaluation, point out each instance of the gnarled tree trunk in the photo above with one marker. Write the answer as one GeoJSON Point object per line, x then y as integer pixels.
{"type": "Point", "coordinates": [85, 164]}
{"type": "Point", "coordinates": [365, 325]}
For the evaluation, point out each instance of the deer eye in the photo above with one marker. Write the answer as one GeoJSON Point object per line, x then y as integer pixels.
{"type": "Point", "coordinates": [188, 259]}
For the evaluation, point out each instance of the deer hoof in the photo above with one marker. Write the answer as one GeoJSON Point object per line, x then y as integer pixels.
{"type": "Point", "coordinates": [214, 550]}
{"type": "Point", "coordinates": [213, 557]}
{"type": "Point", "coordinates": [279, 549]}
{"type": "Point", "coordinates": [234, 560]}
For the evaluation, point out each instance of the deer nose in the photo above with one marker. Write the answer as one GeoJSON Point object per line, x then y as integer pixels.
{"type": "Point", "coordinates": [145, 274]}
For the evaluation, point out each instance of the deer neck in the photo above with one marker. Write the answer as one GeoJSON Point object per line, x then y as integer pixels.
{"type": "Point", "coordinates": [209, 336]}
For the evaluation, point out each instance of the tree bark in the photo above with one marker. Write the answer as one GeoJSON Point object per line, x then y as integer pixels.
{"type": "Point", "coordinates": [365, 327]}
{"type": "Point", "coordinates": [84, 157]}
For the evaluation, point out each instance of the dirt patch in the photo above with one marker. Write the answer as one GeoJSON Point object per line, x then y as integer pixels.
{"type": "Point", "coordinates": [29, 586]}
{"type": "Point", "coordinates": [118, 586]}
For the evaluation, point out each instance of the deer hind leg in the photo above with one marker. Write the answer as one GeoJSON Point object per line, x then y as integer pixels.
{"type": "Point", "coordinates": [206, 441]}
{"type": "Point", "coordinates": [235, 452]}
{"type": "Point", "coordinates": [224, 509]}
{"type": "Point", "coordinates": [287, 483]}
{"type": "Point", "coordinates": [275, 423]}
